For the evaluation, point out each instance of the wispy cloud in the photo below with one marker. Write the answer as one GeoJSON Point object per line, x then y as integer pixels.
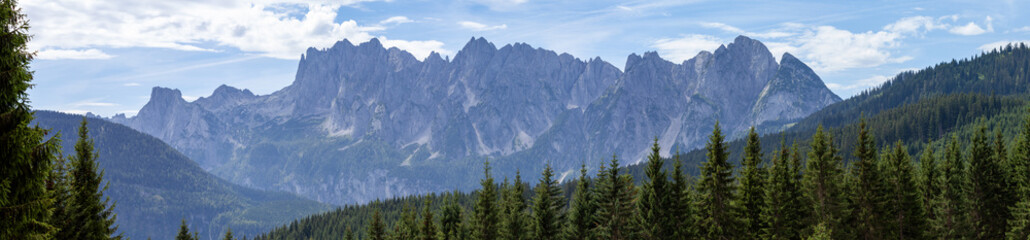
{"type": "Point", "coordinates": [396, 20]}
{"type": "Point", "coordinates": [55, 54]}
{"type": "Point", "coordinates": [475, 26]}
{"type": "Point", "coordinates": [869, 82]}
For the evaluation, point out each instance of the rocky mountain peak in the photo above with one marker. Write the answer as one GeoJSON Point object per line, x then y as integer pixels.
{"type": "Point", "coordinates": [476, 50]}
{"type": "Point", "coordinates": [166, 95]}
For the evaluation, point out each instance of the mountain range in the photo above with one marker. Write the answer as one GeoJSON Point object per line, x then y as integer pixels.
{"type": "Point", "coordinates": [364, 122]}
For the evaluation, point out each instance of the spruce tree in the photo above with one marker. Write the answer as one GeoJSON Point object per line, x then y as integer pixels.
{"type": "Point", "coordinates": [868, 195]}
{"type": "Point", "coordinates": [92, 216]}
{"type": "Point", "coordinates": [1019, 224]}
{"type": "Point", "coordinates": [682, 207]}
{"type": "Point", "coordinates": [929, 187]}
{"type": "Point", "coordinates": [951, 207]}
{"type": "Point", "coordinates": [407, 227]}
{"type": "Point", "coordinates": [61, 194]}
{"type": "Point", "coordinates": [26, 158]}
{"type": "Point", "coordinates": [719, 216]}
{"type": "Point", "coordinates": [822, 182]}
{"type": "Point", "coordinates": [451, 219]}
{"type": "Point", "coordinates": [654, 205]}
{"type": "Point", "coordinates": [752, 186]}
{"type": "Point", "coordinates": [485, 219]}
{"type": "Point", "coordinates": [184, 232]}
{"type": "Point", "coordinates": [615, 194]}
{"type": "Point", "coordinates": [377, 229]}
{"type": "Point", "coordinates": [513, 210]}
{"type": "Point", "coordinates": [905, 213]}
{"type": "Point", "coordinates": [228, 235]}
{"type": "Point", "coordinates": [348, 234]}
{"type": "Point", "coordinates": [548, 204]}
{"type": "Point", "coordinates": [581, 210]}
{"type": "Point", "coordinates": [782, 212]}
{"type": "Point", "coordinates": [427, 229]}
{"type": "Point", "coordinates": [989, 211]}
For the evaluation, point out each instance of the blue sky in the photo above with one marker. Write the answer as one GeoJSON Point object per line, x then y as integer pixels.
{"type": "Point", "coordinates": [104, 56]}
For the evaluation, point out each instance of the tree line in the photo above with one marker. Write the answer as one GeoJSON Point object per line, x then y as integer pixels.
{"type": "Point", "coordinates": [970, 188]}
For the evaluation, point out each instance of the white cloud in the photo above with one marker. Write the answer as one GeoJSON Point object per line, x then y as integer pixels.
{"type": "Point", "coordinates": [396, 20]}
{"type": "Point", "coordinates": [419, 49]}
{"type": "Point", "coordinates": [999, 44]}
{"type": "Point", "coordinates": [189, 98]}
{"type": "Point", "coordinates": [972, 28]}
{"type": "Point", "coordinates": [474, 26]}
{"type": "Point", "coordinates": [132, 84]}
{"type": "Point", "coordinates": [1022, 29]}
{"type": "Point", "coordinates": [869, 82]}
{"type": "Point", "coordinates": [916, 24]}
{"type": "Point", "coordinates": [54, 54]}
{"type": "Point", "coordinates": [272, 28]}
{"type": "Point", "coordinates": [686, 47]}
{"type": "Point", "coordinates": [722, 26]}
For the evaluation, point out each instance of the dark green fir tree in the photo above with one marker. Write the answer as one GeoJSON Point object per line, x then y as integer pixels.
{"type": "Point", "coordinates": [719, 217]}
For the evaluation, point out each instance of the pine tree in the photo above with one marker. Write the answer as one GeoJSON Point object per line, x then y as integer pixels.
{"type": "Point", "coordinates": [427, 230]}
{"type": "Point", "coordinates": [1019, 224]}
{"type": "Point", "coordinates": [348, 234]}
{"type": "Point", "coordinates": [484, 222]}
{"type": "Point", "coordinates": [377, 229]}
{"type": "Point", "coordinates": [407, 228]}
{"type": "Point", "coordinates": [92, 216]}
{"type": "Point", "coordinates": [451, 219]}
{"type": "Point", "coordinates": [821, 232]}
{"type": "Point", "coordinates": [615, 194]}
{"type": "Point", "coordinates": [581, 210]}
{"type": "Point", "coordinates": [752, 186]}
{"type": "Point", "coordinates": [26, 158]}
{"type": "Point", "coordinates": [228, 235]}
{"type": "Point", "coordinates": [548, 202]}
{"type": "Point", "coordinates": [513, 210]}
{"type": "Point", "coordinates": [654, 203]}
{"type": "Point", "coordinates": [782, 212]}
{"type": "Point", "coordinates": [869, 195]}
{"type": "Point", "coordinates": [951, 207]}
{"type": "Point", "coordinates": [822, 182]}
{"type": "Point", "coordinates": [989, 212]}
{"type": "Point", "coordinates": [61, 194]}
{"type": "Point", "coordinates": [905, 213]}
{"type": "Point", "coordinates": [682, 207]}
{"type": "Point", "coordinates": [929, 187]}
{"type": "Point", "coordinates": [719, 216]}
{"type": "Point", "coordinates": [184, 232]}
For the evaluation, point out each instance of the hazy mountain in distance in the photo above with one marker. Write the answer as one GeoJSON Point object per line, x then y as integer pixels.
{"type": "Point", "coordinates": [365, 122]}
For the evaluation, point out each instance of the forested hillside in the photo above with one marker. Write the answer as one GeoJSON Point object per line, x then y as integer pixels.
{"type": "Point", "coordinates": [154, 186]}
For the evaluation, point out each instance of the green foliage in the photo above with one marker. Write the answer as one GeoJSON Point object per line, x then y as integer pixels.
{"type": "Point", "coordinates": [377, 229]}
{"type": "Point", "coordinates": [989, 212]}
{"type": "Point", "coordinates": [228, 235]}
{"type": "Point", "coordinates": [91, 213]}
{"type": "Point", "coordinates": [868, 192]}
{"type": "Point", "coordinates": [682, 199]}
{"type": "Point", "coordinates": [823, 176]}
{"type": "Point", "coordinates": [929, 188]}
{"type": "Point", "coordinates": [951, 207]}
{"type": "Point", "coordinates": [904, 212]}
{"type": "Point", "coordinates": [581, 210]}
{"type": "Point", "coordinates": [484, 216]}
{"type": "Point", "coordinates": [184, 232]}
{"type": "Point", "coordinates": [548, 207]}
{"type": "Point", "coordinates": [407, 228]}
{"type": "Point", "coordinates": [782, 212]}
{"type": "Point", "coordinates": [25, 162]}
{"type": "Point", "coordinates": [615, 194]}
{"type": "Point", "coordinates": [752, 186]}
{"type": "Point", "coordinates": [514, 218]}
{"type": "Point", "coordinates": [653, 206]}
{"type": "Point", "coordinates": [718, 215]}
{"type": "Point", "coordinates": [427, 228]}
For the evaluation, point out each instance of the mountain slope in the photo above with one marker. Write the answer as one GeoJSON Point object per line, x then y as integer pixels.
{"type": "Point", "coordinates": [365, 122]}
{"type": "Point", "coordinates": [154, 186]}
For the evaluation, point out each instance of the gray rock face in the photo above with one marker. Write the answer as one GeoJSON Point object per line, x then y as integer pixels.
{"type": "Point", "coordinates": [365, 122]}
